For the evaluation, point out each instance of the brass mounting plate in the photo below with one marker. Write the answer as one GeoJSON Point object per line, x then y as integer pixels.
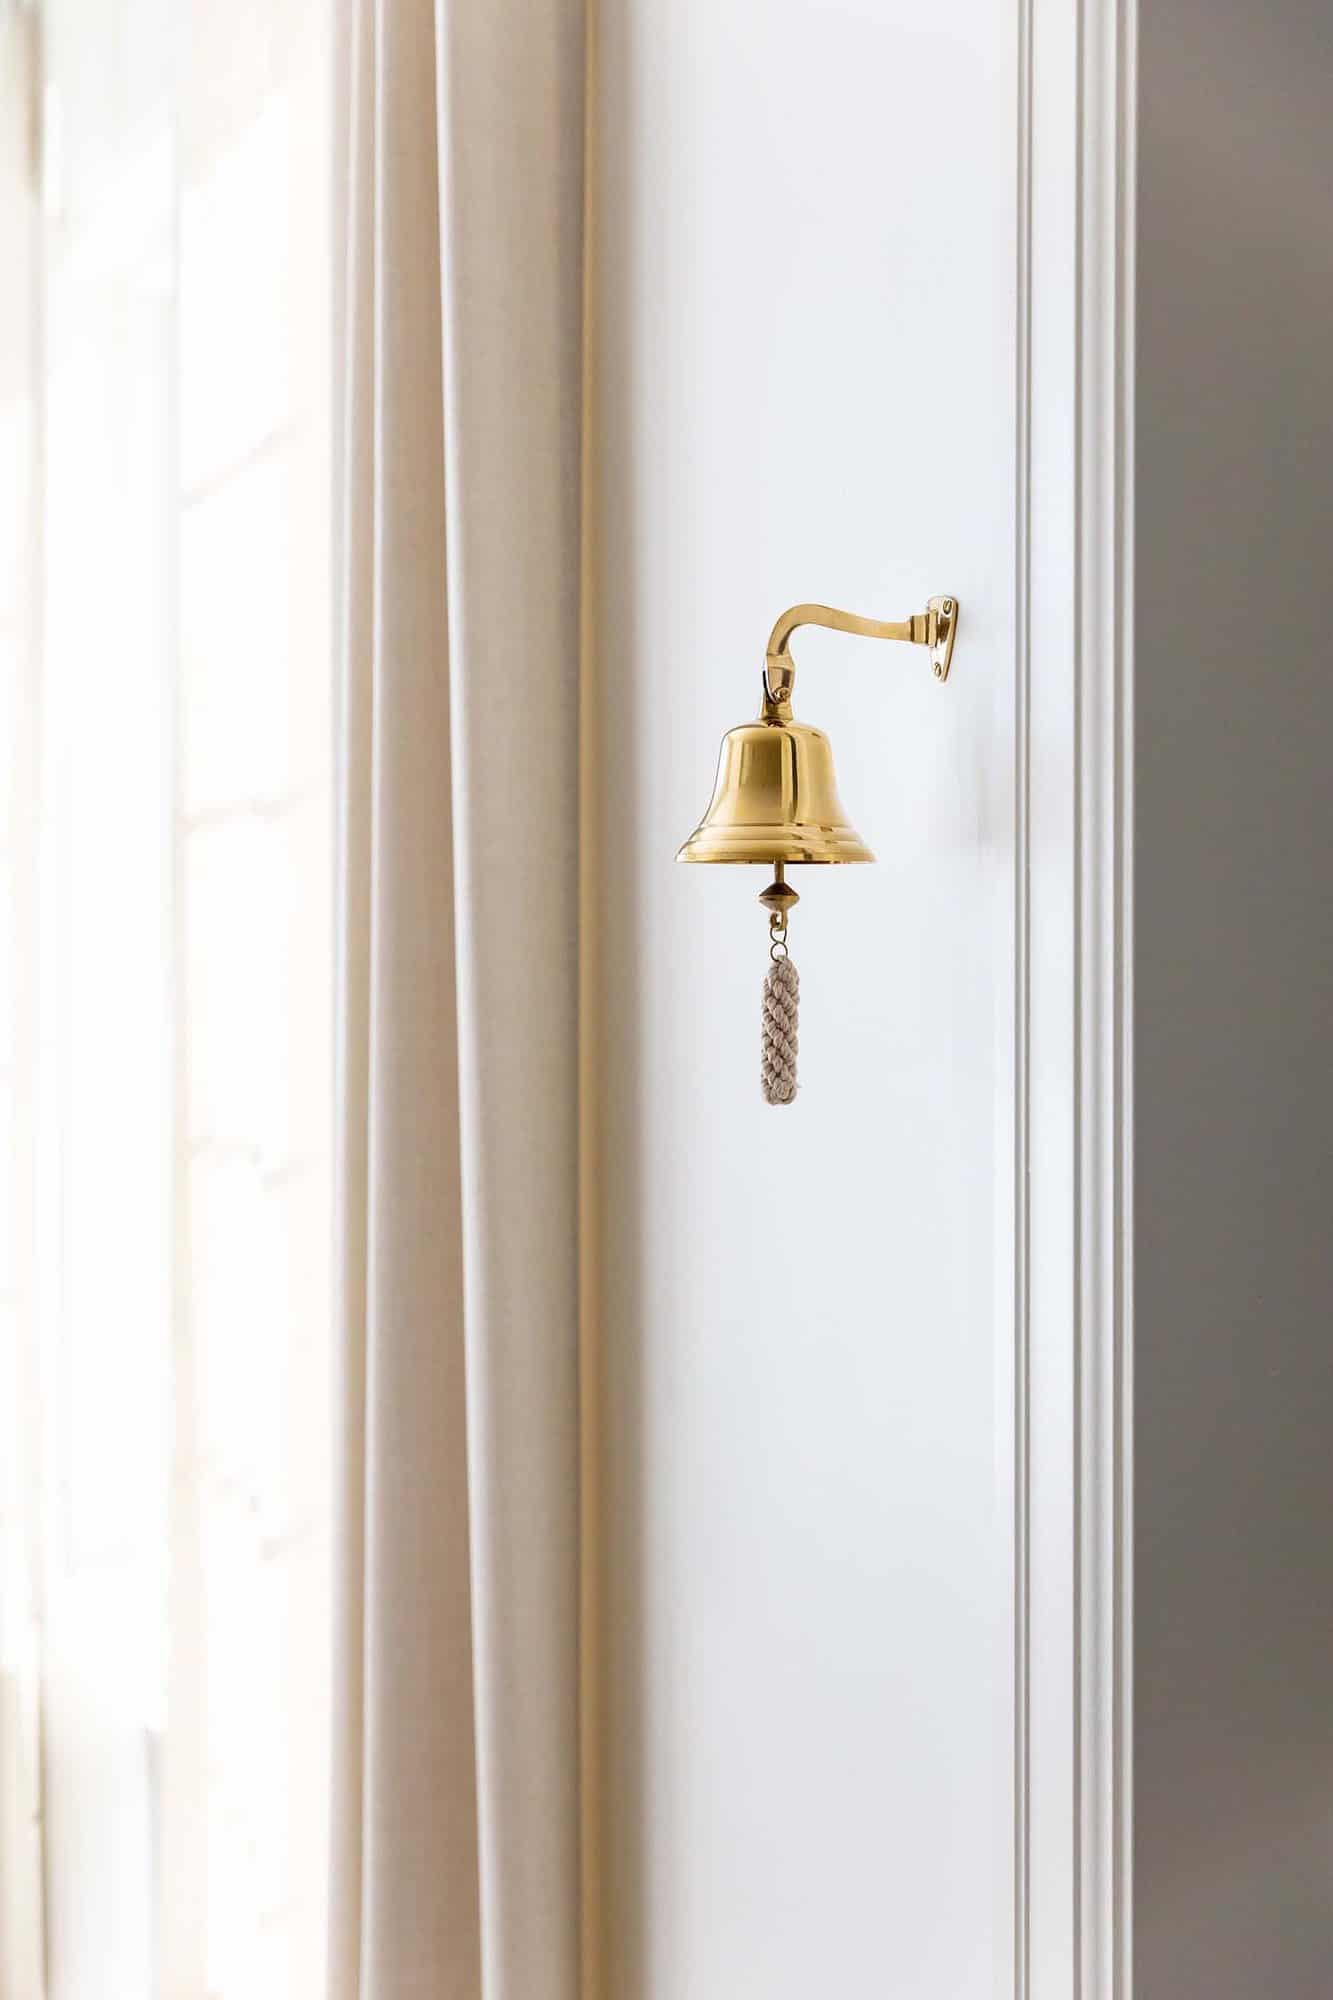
{"type": "Point", "coordinates": [946, 631]}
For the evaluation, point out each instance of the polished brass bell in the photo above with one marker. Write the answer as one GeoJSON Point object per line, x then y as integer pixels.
{"type": "Point", "coordinates": [775, 800]}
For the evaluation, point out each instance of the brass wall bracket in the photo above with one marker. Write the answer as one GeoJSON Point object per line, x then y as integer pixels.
{"type": "Point", "coordinates": [936, 627]}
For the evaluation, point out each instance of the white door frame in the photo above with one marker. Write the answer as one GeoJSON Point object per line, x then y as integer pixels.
{"type": "Point", "coordinates": [1073, 1380]}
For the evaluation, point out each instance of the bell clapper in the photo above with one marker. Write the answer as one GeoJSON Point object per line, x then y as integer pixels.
{"type": "Point", "coordinates": [782, 988]}
{"type": "Point", "coordinates": [778, 899]}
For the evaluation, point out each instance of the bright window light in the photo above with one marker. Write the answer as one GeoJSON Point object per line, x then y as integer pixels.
{"type": "Point", "coordinates": [165, 998]}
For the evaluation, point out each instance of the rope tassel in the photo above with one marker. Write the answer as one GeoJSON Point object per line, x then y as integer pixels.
{"type": "Point", "coordinates": [782, 992]}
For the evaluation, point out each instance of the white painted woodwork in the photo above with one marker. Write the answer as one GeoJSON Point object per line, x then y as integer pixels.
{"type": "Point", "coordinates": [862, 1357]}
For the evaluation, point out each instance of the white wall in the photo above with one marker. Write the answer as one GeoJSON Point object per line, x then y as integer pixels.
{"type": "Point", "coordinates": [806, 350]}
{"type": "Point", "coordinates": [1234, 1005]}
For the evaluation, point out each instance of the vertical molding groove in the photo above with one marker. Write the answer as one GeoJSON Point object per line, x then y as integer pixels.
{"type": "Point", "coordinates": [1103, 833]}
{"type": "Point", "coordinates": [1073, 1057]}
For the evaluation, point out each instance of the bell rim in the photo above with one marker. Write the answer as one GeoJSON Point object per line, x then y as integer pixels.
{"type": "Point", "coordinates": [769, 859]}
{"type": "Point", "coordinates": [762, 853]}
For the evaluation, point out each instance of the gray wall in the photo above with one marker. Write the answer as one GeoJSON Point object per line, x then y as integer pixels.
{"type": "Point", "coordinates": [1234, 1003]}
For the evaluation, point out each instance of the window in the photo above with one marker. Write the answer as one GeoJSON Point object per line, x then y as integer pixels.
{"type": "Point", "coordinates": [165, 1311]}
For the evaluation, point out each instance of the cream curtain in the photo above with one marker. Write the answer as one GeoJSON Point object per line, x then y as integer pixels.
{"type": "Point", "coordinates": [455, 1848]}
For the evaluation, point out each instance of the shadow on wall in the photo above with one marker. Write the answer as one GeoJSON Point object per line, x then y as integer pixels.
{"type": "Point", "coordinates": [1234, 997]}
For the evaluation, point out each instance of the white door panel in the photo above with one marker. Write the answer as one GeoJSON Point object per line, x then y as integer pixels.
{"type": "Point", "coordinates": [806, 339]}
{"type": "Point", "coordinates": [859, 334]}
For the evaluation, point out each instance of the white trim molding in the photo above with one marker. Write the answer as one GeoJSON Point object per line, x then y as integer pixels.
{"type": "Point", "coordinates": [1073, 1548]}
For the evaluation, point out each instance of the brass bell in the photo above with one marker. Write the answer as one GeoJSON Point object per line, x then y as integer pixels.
{"type": "Point", "coordinates": [775, 799]}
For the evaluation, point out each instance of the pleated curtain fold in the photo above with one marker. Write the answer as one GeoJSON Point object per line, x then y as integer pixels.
{"type": "Point", "coordinates": [455, 1867]}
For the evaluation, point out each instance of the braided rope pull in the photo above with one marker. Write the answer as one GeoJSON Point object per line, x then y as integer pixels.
{"type": "Point", "coordinates": [782, 992]}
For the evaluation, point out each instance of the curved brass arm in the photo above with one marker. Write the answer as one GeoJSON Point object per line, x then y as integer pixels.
{"type": "Point", "coordinates": [935, 627]}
